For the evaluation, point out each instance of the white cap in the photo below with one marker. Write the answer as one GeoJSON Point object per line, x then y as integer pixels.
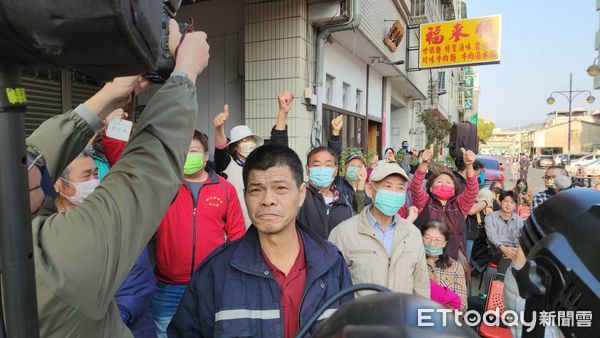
{"type": "Point", "coordinates": [241, 132]}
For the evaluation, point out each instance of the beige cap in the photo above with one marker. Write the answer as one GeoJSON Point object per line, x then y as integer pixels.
{"type": "Point", "coordinates": [386, 169]}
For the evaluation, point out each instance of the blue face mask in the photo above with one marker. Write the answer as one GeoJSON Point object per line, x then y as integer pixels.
{"type": "Point", "coordinates": [351, 174]}
{"type": "Point", "coordinates": [433, 251]}
{"type": "Point", "coordinates": [405, 147]}
{"type": "Point", "coordinates": [389, 202]}
{"type": "Point", "coordinates": [321, 177]}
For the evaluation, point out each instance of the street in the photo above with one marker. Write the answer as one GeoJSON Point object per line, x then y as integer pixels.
{"type": "Point", "coordinates": [534, 179]}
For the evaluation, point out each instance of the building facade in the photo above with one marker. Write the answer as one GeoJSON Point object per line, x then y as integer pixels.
{"type": "Point", "coordinates": [259, 48]}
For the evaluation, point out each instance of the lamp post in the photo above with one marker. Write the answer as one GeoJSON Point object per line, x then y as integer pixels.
{"type": "Point", "coordinates": [568, 94]}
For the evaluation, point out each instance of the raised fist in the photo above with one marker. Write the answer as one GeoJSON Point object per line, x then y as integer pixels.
{"type": "Point", "coordinates": [468, 156]}
{"type": "Point", "coordinates": [336, 125]}
{"type": "Point", "coordinates": [427, 155]}
{"type": "Point", "coordinates": [285, 101]}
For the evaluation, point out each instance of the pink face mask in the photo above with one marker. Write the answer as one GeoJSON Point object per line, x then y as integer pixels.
{"type": "Point", "coordinates": [443, 192]}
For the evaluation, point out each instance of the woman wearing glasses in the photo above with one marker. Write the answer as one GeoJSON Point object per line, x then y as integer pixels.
{"type": "Point", "coordinates": [448, 283]}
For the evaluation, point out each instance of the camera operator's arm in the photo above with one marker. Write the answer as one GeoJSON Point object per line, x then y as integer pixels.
{"type": "Point", "coordinates": [85, 254]}
{"type": "Point", "coordinates": [61, 138]}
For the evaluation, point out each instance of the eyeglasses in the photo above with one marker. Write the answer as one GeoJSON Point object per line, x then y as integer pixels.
{"type": "Point", "coordinates": [436, 241]}
{"type": "Point", "coordinates": [33, 160]}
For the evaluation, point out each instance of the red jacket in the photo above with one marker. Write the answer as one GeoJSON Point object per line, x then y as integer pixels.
{"type": "Point", "coordinates": [187, 235]}
{"type": "Point", "coordinates": [218, 218]}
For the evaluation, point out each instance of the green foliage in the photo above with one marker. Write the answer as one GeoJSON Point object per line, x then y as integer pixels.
{"type": "Point", "coordinates": [348, 152]}
{"type": "Point", "coordinates": [436, 131]}
{"type": "Point", "coordinates": [485, 129]}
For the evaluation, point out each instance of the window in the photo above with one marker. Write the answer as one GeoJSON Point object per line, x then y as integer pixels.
{"type": "Point", "coordinates": [346, 96]}
{"type": "Point", "coordinates": [351, 135]}
{"type": "Point", "coordinates": [441, 81]}
{"type": "Point", "coordinates": [358, 101]}
{"type": "Point", "coordinates": [329, 89]}
{"type": "Point", "coordinates": [418, 7]}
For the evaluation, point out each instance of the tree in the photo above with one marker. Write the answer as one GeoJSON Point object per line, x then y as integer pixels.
{"type": "Point", "coordinates": [485, 129]}
{"type": "Point", "coordinates": [436, 130]}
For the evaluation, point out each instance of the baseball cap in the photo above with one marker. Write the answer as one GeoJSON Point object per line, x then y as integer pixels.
{"type": "Point", "coordinates": [356, 156]}
{"type": "Point", "coordinates": [386, 169]}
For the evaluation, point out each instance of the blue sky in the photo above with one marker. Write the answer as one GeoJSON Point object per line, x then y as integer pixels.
{"type": "Point", "coordinates": [542, 42]}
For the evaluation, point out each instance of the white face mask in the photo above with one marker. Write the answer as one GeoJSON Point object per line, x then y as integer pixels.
{"type": "Point", "coordinates": [82, 190]}
{"type": "Point", "coordinates": [246, 148]}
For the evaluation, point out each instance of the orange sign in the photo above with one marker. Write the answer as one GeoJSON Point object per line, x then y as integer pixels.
{"type": "Point", "coordinates": [460, 42]}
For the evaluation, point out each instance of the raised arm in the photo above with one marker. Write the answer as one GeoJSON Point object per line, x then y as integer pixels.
{"type": "Point", "coordinates": [95, 244]}
{"type": "Point", "coordinates": [419, 196]}
{"type": "Point", "coordinates": [334, 143]}
{"type": "Point", "coordinates": [222, 158]}
{"type": "Point", "coordinates": [467, 198]}
{"type": "Point", "coordinates": [279, 133]}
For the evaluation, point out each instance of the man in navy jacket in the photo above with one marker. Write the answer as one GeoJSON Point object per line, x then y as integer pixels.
{"type": "Point", "coordinates": [272, 280]}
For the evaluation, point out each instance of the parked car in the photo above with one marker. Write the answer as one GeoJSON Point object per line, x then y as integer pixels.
{"type": "Point", "coordinates": [593, 169]}
{"type": "Point", "coordinates": [493, 169]}
{"type": "Point", "coordinates": [544, 161]}
{"type": "Point", "coordinates": [585, 160]}
{"type": "Point", "coordinates": [561, 159]}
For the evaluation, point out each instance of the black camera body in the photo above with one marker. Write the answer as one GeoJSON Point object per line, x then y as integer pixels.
{"type": "Point", "coordinates": [165, 61]}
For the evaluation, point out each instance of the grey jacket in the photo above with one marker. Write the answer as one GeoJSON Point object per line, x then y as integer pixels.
{"type": "Point", "coordinates": [83, 255]}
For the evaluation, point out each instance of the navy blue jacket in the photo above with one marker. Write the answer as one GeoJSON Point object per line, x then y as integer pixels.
{"type": "Point", "coordinates": [134, 297]}
{"type": "Point", "coordinates": [233, 293]}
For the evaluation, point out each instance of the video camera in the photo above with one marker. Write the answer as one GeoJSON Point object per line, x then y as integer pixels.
{"type": "Point", "coordinates": [100, 38]}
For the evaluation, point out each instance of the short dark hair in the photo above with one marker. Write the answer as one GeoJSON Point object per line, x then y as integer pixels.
{"type": "Point", "coordinates": [392, 149]}
{"type": "Point", "coordinates": [318, 150]}
{"type": "Point", "coordinates": [431, 180]}
{"type": "Point", "coordinates": [508, 193]}
{"type": "Point", "coordinates": [202, 138]}
{"type": "Point", "coordinates": [273, 155]}
{"type": "Point", "coordinates": [562, 170]}
{"type": "Point", "coordinates": [444, 260]}
{"type": "Point", "coordinates": [405, 141]}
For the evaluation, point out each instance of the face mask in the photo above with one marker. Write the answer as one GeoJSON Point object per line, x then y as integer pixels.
{"type": "Point", "coordinates": [321, 177]}
{"type": "Point", "coordinates": [246, 148]}
{"type": "Point", "coordinates": [82, 190]}
{"type": "Point", "coordinates": [389, 202]}
{"type": "Point", "coordinates": [443, 192]}
{"type": "Point", "coordinates": [521, 187]}
{"type": "Point", "coordinates": [420, 161]}
{"type": "Point", "coordinates": [433, 251]}
{"type": "Point", "coordinates": [193, 163]}
{"type": "Point", "coordinates": [405, 147]}
{"type": "Point", "coordinates": [351, 174]}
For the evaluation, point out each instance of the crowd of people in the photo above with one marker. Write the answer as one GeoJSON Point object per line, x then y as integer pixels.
{"type": "Point", "coordinates": [151, 237]}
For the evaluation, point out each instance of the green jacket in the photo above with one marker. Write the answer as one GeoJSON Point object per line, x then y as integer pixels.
{"type": "Point", "coordinates": [83, 256]}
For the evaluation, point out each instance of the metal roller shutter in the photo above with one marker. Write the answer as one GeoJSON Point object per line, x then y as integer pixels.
{"type": "Point", "coordinates": [44, 97]}
{"type": "Point", "coordinates": [82, 88]}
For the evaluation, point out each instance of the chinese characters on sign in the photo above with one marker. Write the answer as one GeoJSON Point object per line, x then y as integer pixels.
{"type": "Point", "coordinates": [461, 42]}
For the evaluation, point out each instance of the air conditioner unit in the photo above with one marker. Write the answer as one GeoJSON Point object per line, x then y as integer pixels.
{"type": "Point", "coordinates": [328, 12]}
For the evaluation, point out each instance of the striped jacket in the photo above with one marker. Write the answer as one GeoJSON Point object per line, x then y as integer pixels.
{"type": "Point", "coordinates": [233, 293]}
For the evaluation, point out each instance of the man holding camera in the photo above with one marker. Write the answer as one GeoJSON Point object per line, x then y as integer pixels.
{"type": "Point", "coordinates": [83, 255]}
